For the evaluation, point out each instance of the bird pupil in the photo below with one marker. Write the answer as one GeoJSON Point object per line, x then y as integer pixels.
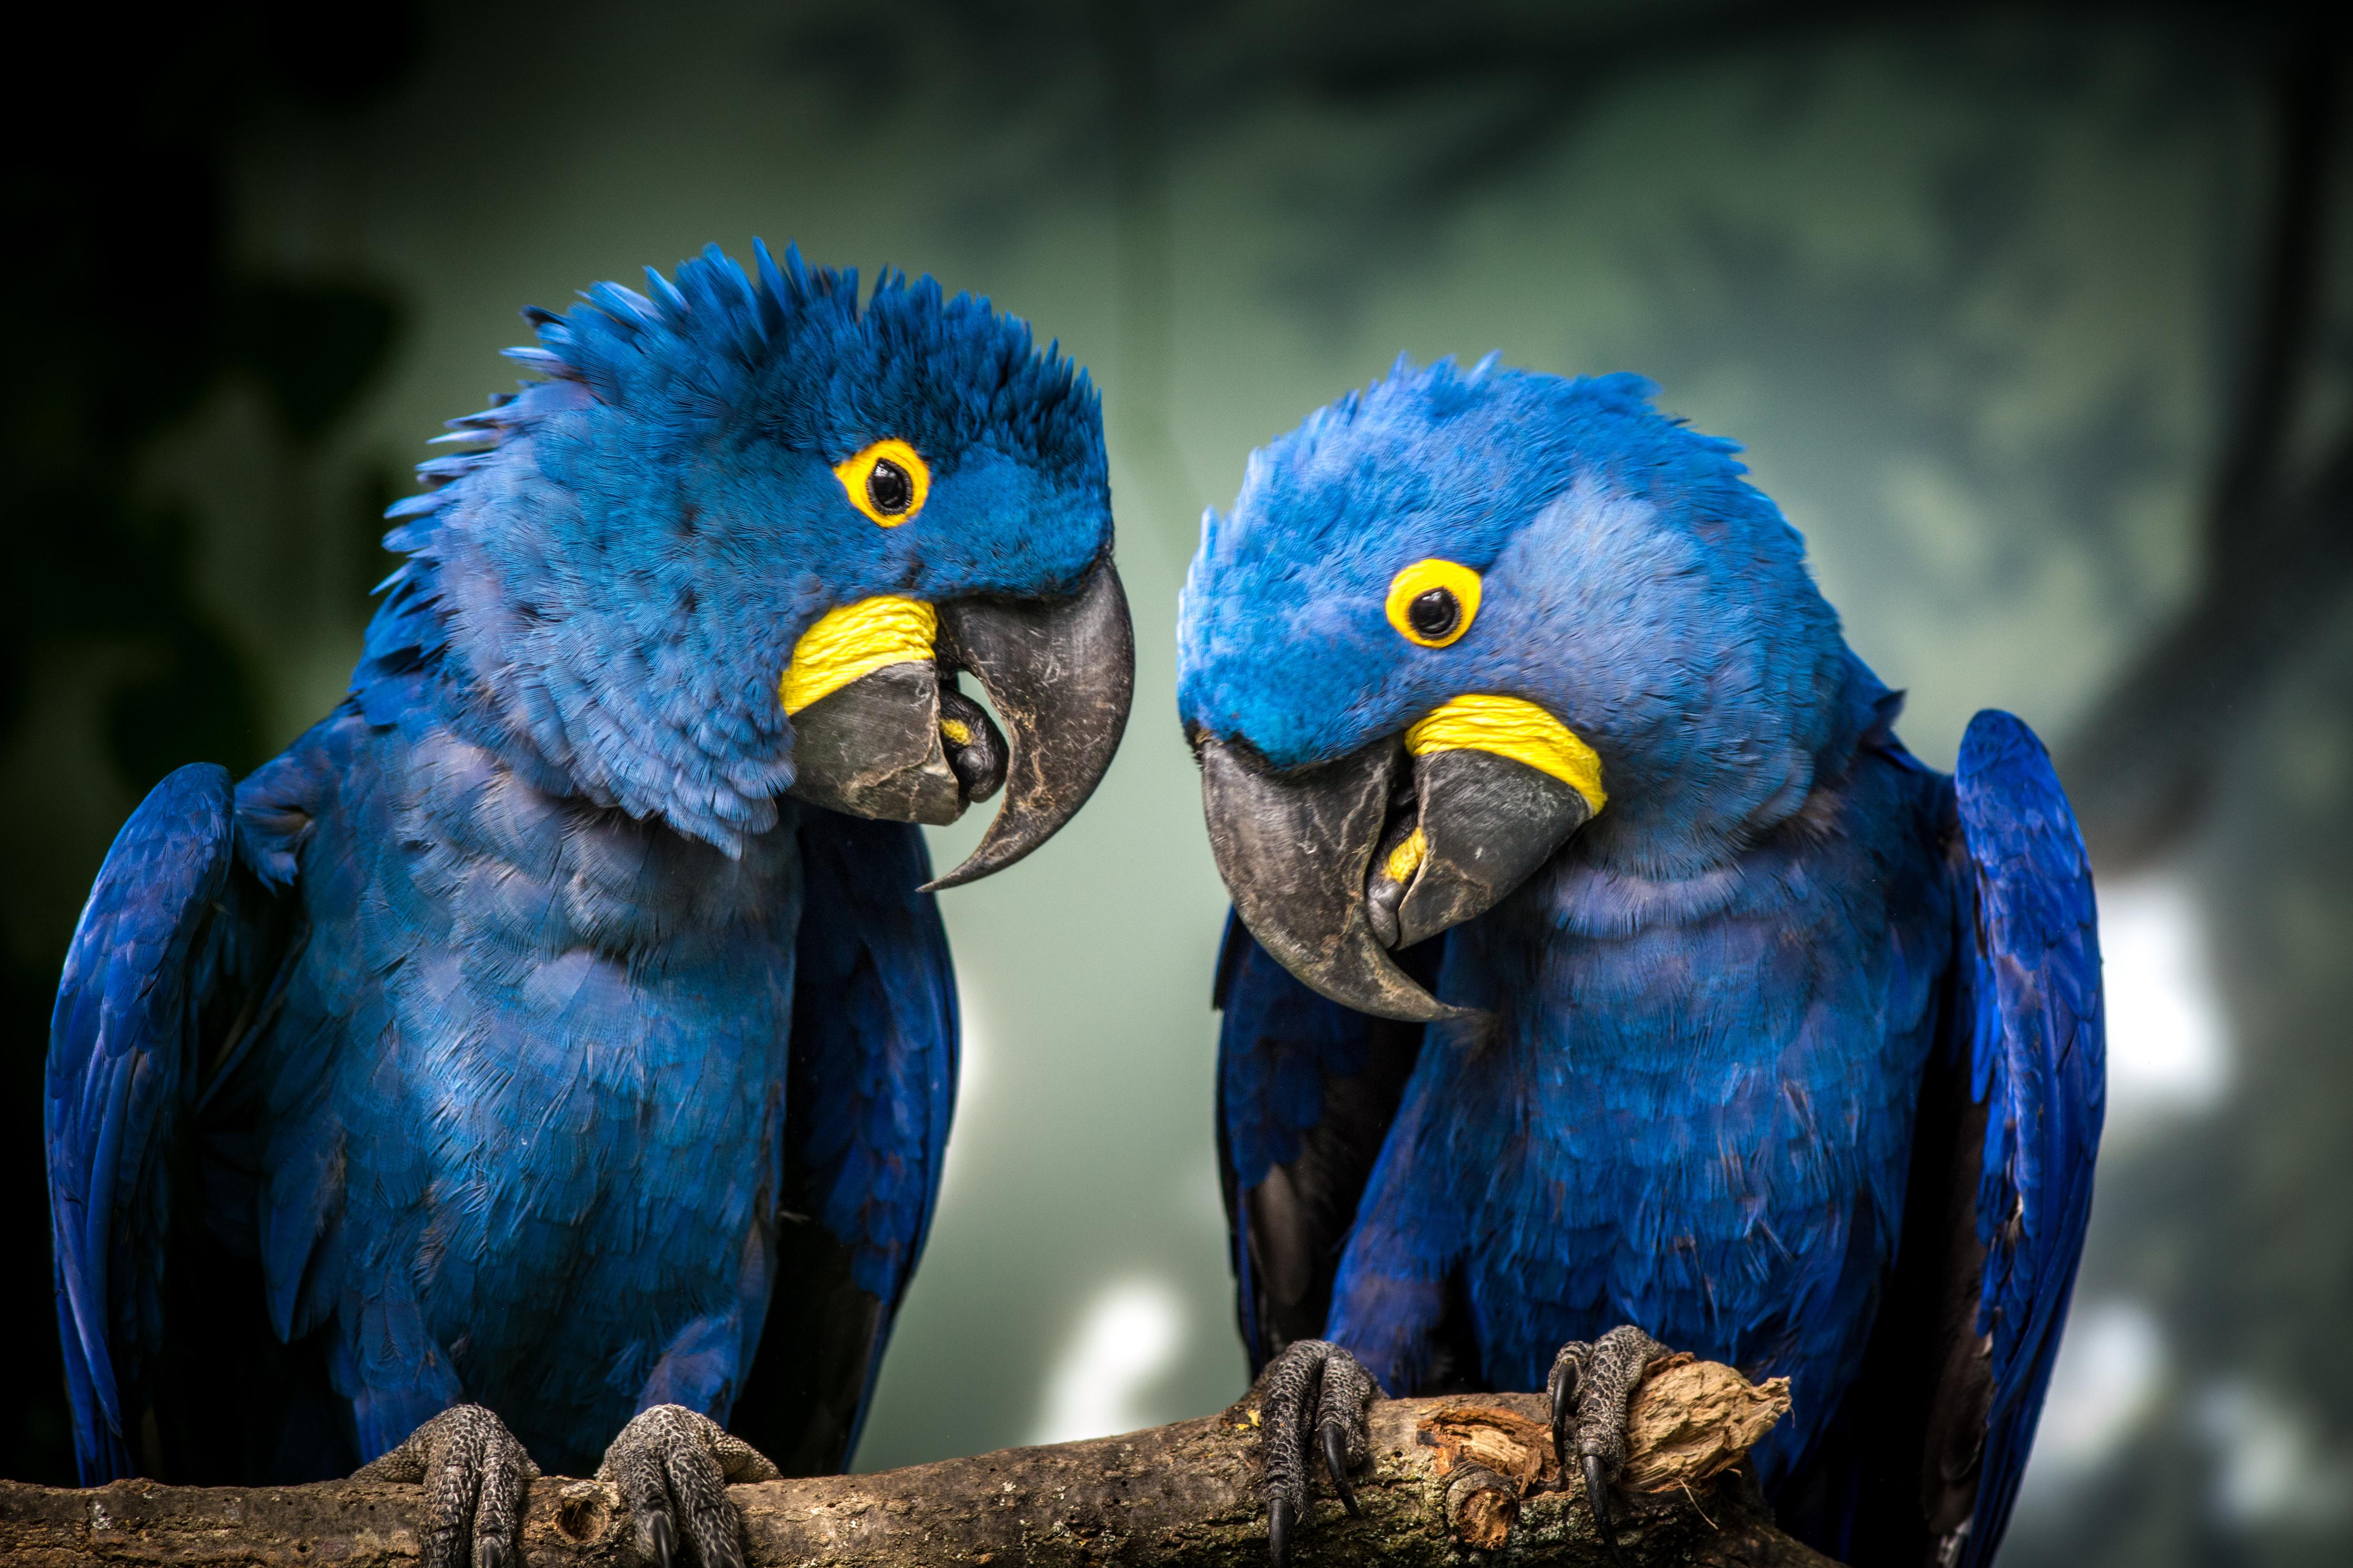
{"type": "Point", "coordinates": [1433, 613]}
{"type": "Point", "coordinates": [889, 487]}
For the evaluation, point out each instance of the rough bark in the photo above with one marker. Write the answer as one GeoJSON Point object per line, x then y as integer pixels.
{"type": "Point", "coordinates": [1446, 1473]}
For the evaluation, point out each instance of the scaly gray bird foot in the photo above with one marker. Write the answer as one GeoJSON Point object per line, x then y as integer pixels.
{"type": "Point", "coordinates": [1313, 1399]}
{"type": "Point", "coordinates": [475, 1477]}
{"type": "Point", "coordinates": [673, 1467]}
{"type": "Point", "coordinates": [1592, 1388]}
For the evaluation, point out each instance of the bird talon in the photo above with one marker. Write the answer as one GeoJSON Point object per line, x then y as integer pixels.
{"type": "Point", "coordinates": [672, 1466]}
{"type": "Point", "coordinates": [1316, 1396]}
{"type": "Point", "coordinates": [1335, 1461]}
{"type": "Point", "coordinates": [1592, 1388]}
{"type": "Point", "coordinates": [475, 1475]}
{"type": "Point", "coordinates": [1563, 1385]}
{"type": "Point", "coordinates": [1278, 1531]}
{"type": "Point", "coordinates": [1597, 1494]}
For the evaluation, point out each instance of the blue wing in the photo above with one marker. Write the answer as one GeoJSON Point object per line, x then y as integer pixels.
{"type": "Point", "coordinates": [162, 954]}
{"type": "Point", "coordinates": [1306, 1092]}
{"type": "Point", "coordinates": [1922, 1459]}
{"type": "Point", "coordinates": [871, 1092]}
{"type": "Point", "coordinates": [2036, 1051]}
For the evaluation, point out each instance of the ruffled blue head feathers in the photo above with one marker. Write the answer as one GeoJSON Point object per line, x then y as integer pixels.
{"type": "Point", "coordinates": [606, 580]}
{"type": "Point", "coordinates": [1633, 584]}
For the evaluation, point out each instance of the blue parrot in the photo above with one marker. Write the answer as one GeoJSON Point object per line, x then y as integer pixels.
{"type": "Point", "coordinates": [565, 1018]}
{"type": "Point", "coordinates": [1604, 972]}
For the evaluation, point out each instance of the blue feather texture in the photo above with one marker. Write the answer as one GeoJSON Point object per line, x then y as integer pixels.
{"type": "Point", "coordinates": [137, 954]}
{"type": "Point", "coordinates": [2037, 1061]}
{"type": "Point", "coordinates": [611, 586]}
{"type": "Point", "coordinates": [1714, 1033]}
{"type": "Point", "coordinates": [474, 1048]}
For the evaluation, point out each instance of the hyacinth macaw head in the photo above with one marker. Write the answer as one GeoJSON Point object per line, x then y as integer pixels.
{"type": "Point", "coordinates": [1466, 623]}
{"type": "Point", "coordinates": [742, 538]}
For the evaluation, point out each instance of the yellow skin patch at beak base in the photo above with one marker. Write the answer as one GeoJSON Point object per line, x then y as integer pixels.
{"type": "Point", "coordinates": [1405, 858]}
{"type": "Point", "coordinates": [958, 733]}
{"type": "Point", "coordinates": [855, 641]}
{"type": "Point", "coordinates": [1511, 728]}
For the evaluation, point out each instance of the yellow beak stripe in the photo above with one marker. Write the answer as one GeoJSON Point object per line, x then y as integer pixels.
{"type": "Point", "coordinates": [1407, 858]}
{"type": "Point", "coordinates": [1520, 731]}
{"type": "Point", "coordinates": [855, 641]}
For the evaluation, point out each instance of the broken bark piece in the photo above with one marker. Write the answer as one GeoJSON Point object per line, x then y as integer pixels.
{"type": "Point", "coordinates": [1481, 1506]}
{"type": "Point", "coordinates": [1503, 1440]}
{"type": "Point", "coordinates": [1692, 1420]}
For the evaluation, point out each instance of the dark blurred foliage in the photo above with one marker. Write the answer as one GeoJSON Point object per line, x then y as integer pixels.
{"type": "Point", "coordinates": [127, 308]}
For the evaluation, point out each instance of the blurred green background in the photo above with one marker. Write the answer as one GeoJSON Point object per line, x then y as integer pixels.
{"type": "Point", "coordinates": [2038, 324]}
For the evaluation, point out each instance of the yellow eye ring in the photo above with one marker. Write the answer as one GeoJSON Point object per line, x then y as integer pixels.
{"type": "Point", "coordinates": [1433, 602]}
{"type": "Point", "coordinates": [888, 481]}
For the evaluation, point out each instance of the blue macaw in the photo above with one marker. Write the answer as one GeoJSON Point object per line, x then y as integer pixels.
{"type": "Point", "coordinates": [565, 1018]}
{"type": "Point", "coordinates": [1600, 957]}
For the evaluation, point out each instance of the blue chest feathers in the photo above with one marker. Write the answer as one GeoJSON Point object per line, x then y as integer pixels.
{"type": "Point", "coordinates": [1690, 1107]}
{"type": "Point", "coordinates": [526, 1090]}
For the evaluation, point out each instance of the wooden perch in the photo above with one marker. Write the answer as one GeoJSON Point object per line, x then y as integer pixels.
{"type": "Point", "coordinates": [1447, 1474]}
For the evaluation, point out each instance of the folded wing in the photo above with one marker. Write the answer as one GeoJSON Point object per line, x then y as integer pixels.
{"type": "Point", "coordinates": [2034, 1031]}
{"type": "Point", "coordinates": [148, 1009]}
{"type": "Point", "coordinates": [871, 1092]}
{"type": "Point", "coordinates": [1923, 1462]}
{"type": "Point", "coordinates": [1306, 1090]}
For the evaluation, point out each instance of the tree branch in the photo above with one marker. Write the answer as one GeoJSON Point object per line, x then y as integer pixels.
{"type": "Point", "coordinates": [1446, 1473]}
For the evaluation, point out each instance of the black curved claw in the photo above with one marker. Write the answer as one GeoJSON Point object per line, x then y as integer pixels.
{"type": "Point", "coordinates": [664, 1541]}
{"type": "Point", "coordinates": [1592, 1387]}
{"type": "Point", "coordinates": [1278, 1531]}
{"type": "Point", "coordinates": [1563, 1408]}
{"type": "Point", "coordinates": [1335, 1459]}
{"type": "Point", "coordinates": [1314, 1397]}
{"type": "Point", "coordinates": [1596, 1496]}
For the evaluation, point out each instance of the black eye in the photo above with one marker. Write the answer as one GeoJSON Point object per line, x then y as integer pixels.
{"type": "Point", "coordinates": [1434, 613]}
{"type": "Point", "coordinates": [890, 487]}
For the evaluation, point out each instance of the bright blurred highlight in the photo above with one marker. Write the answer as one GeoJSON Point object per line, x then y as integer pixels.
{"type": "Point", "coordinates": [1127, 1338]}
{"type": "Point", "coordinates": [2168, 1050]}
{"type": "Point", "coordinates": [2271, 1467]}
{"type": "Point", "coordinates": [2111, 1368]}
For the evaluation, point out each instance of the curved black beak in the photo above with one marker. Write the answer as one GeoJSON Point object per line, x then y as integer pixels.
{"type": "Point", "coordinates": [1293, 849]}
{"type": "Point", "coordinates": [1062, 674]}
{"type": "Point", "coordinates": [1335, 867]}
